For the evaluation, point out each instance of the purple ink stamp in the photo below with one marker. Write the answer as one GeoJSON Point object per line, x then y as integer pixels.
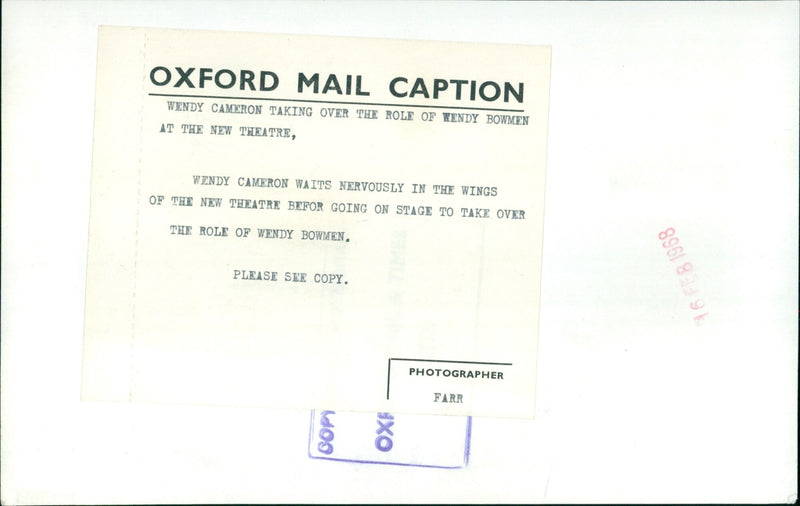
{"type": "Point", "coordinates": [386, 438]}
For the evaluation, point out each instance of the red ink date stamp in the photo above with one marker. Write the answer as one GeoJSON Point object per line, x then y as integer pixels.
{"type": "Point", "coordinates": [685, 272]}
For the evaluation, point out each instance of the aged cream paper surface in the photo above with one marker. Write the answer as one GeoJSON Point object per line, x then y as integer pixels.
{"type": "Point", "coordinates": [677, 121]}
{"type": "Point", "coordinates": [296, 221]}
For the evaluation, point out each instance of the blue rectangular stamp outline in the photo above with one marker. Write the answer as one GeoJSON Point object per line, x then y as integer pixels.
{"type": "Point", "coordinates": [467, 440]}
